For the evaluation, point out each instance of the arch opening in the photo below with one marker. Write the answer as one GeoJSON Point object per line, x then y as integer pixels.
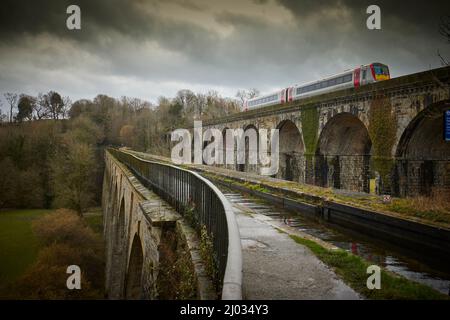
{"type": "Point", "coordinates": [343, 154]}
{"type": "Point", "coordinates": [422, 165]}
{"type": "Point", "coordinates": [291, 152]}
{"type": "Point", "coordinates": [250, 147]}
{"type": "Point", "coordinates": [133, 287]}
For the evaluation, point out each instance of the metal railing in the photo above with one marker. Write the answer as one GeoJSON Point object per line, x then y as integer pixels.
{"type": "Point", "coordinates": [187, 190]}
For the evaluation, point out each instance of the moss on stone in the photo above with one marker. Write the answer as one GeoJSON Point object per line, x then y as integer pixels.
{"type": "Point", "coordinates": [310, 128]}
{"type": "Point", "coordinates": [382, 131]}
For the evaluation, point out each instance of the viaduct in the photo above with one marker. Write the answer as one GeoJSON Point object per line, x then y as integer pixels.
{"type": "Point", "coordinates": [391, 130]}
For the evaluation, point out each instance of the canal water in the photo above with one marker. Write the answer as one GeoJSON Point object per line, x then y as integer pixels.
{"type": "Point", "coordinates": [379, 253]}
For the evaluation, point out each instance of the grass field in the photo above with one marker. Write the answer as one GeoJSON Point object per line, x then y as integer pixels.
{"type": "Point", "coordinates": [94, 218]}
{"type": "Point", "coordinates": [18, 245]}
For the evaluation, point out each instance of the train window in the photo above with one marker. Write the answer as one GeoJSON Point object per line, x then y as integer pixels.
{"type": "Point", "coordinates": [364, 74]}
{"type": "Point", "coordinates": [347, 78]}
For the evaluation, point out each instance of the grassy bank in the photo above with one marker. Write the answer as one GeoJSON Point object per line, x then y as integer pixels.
{"type": "Point", "coordinates": [18, 245]}
{"type": "Point", "coordinates": [94, 218]}
{"type": "Point", "coordinates": [352, 269]}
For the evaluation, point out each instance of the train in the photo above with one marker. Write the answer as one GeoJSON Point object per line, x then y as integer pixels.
{"type": "Point", "coordinates": [352, 78]}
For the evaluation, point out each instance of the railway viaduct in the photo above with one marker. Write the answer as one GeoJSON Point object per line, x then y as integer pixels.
{"type": "Point", "coordinates": [391, 131]}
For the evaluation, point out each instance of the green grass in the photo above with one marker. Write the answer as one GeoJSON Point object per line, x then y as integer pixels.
{"type": "Point", "coordinates": [94, 219]}
{"type": "Point", "coordinates": [18, 245]}
{"type": "Point", "coordinates": [352, 269]}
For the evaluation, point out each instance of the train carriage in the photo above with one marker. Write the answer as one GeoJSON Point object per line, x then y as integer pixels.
{"type": "Point", "coordinates": [354, 78]}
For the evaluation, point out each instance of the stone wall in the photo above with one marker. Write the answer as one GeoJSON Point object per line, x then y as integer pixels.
{"type": "Point", "coordinates": [136, 224]}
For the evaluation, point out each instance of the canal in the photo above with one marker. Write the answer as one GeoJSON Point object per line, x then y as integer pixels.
{"type": "Point", "coordinates": [393, 258]}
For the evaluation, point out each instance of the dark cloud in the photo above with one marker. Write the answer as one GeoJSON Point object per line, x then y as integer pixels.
{"type": "Point", "coordinates": [148, 48]}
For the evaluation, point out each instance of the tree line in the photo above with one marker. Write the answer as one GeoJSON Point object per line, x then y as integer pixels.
{"type": "Point", "coordinates": [49, 105]}
{"type": "Point", "coordinates": [51, 150]}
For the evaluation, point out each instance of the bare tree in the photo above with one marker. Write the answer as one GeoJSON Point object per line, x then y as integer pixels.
{"type": "Point", "coordinates": [244, 95]}
{"type": "Point", "coordinates": [12, 99]}
{"type": "Point", "coordinates": [40, 110]}
{"type": "Point", "coordinates": [53, 105]}
{"type": "Point", "coordinates": [67, 104]}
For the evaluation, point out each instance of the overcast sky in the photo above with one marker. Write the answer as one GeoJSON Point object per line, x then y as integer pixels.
{"type": "Point", "coordinates": [151, 48]}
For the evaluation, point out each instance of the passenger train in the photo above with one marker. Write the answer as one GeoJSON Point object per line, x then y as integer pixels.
{"type": "Point", "coordinates": [352, 78]}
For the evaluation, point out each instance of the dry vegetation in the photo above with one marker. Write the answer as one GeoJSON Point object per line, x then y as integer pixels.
{"type": "Point", "coordinates": [65, 240]}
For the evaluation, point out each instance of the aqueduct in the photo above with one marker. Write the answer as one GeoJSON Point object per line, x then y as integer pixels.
{"type": "Point", "coordinates": [153, 251]}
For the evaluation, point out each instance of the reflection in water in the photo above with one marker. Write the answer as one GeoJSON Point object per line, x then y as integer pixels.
{"type": "Point", "coordinates": [379, 254]}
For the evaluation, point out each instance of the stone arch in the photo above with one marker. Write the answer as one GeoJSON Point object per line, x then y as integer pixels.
{"type": "Point", "coordinates": [133, 286]}
{"type": "Point", "coordinates": [423, 156]}
{"type": "Point", "coordinates": [247, 167]}
{"type": "Point", "coordinates": [343, 154]}
{"type": "Point", "coordinates": [291, 152]}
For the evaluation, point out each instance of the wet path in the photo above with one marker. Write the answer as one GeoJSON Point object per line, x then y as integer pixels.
{"type": "Point", "coordinates": [275, 267]}
{"type": "Point", "coordinates": [395, 261]}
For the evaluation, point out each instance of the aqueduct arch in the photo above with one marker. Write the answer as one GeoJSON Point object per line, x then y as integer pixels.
{"type": "Point", "coordinates": [291, 152]}
{"type": "Point", "coordinates": [343, 154]}
{"type": "Point", "coordinates": [133, 283]}
{"type": "Point", "coordinates": [423, 155]}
